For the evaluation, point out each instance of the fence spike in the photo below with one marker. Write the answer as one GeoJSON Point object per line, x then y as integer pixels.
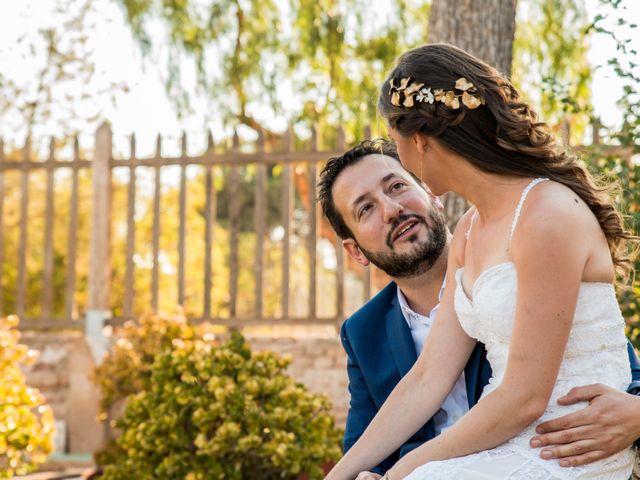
{"type": "Point", "coordinates": [260, 140]}
{"type": "Point", "coordinates": [76, 148]}
{"type": "Point", "coordinates": [314, 138]}
{"type": "Point", "coordinates": [132, 146]}
{"type": "Point", "coordinates": [26, 149]}
{"type": "Point", "coordinates": [183, 145]}
{"type": "Point", "coordinates": [595, 131]}
{"type": "Point", "coordinates": [288, 139]}
{"type": "Point", "coordinates": [158, 146]}
{"type": "Point", "coordinates": [235, 141]}
{"type": "Point", "coordinates": [340, 138]}
{"type": "Point", "coordinates": [52, 148]}
{"type": "Point", "coordinates": [210, 144]}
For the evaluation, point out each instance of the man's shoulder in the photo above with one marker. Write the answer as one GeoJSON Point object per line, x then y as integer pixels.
{"type": "Point", "coordinates": [375, 310]}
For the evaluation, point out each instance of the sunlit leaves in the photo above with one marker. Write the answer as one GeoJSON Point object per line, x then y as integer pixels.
{"type": "Point", "coordinates": [223, 412]}
{"type": "Point", "coordinates": [26, 422]}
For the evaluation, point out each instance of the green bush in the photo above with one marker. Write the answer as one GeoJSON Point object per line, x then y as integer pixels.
{"type": "Point", "coordinates": [126, 369]}
{"type": "Point", "coordinates": [627, 176]}
{"type": "Point", "coordinates": [26, 422]}
{"type": "Point", "coordinates": [222, 412]}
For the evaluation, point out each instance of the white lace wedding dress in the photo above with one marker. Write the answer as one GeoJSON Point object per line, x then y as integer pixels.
{"type": "Point", "coordinates": [596, 352]}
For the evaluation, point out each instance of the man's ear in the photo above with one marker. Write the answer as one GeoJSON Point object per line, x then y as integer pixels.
{"type": "Point", "coordinates": [352, 248]}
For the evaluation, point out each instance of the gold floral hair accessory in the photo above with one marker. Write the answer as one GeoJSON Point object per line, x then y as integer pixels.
{"type": "Point", "coordinates": [409, 92]}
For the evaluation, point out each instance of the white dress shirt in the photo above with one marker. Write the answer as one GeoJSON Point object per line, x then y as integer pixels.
{"type": "Point", "coordinates": [456, 404]}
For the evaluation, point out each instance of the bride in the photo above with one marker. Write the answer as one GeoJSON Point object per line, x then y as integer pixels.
{"type": "Point", "coordinates": [530, 274]}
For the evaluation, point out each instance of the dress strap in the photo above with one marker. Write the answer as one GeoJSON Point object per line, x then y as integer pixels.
{"type": "Point", "coordinates": [523, 197]}
{"type": "Point", "coordinates": [468, 232]}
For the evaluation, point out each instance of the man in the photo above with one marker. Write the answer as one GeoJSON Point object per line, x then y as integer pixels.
{"type": "Point", "coordinates": [386, 217]}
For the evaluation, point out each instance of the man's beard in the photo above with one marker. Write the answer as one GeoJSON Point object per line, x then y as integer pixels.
{"type": "Point", "coordinates": [421, 258]}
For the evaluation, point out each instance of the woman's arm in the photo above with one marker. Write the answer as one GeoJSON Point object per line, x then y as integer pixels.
{"type": "Point", "coordinates": [550, 265]}
{"type": "Point", "coordinates": [419, 395]}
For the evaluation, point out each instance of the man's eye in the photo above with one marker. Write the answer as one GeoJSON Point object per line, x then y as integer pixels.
{"type": "Point", "coordinates": [364, 209]}
{"type": "Point", "coordinates": [397, 186]}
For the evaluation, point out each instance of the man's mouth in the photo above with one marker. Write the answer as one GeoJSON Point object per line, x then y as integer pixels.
{"type": "Point", "coordinates": [405, 229]}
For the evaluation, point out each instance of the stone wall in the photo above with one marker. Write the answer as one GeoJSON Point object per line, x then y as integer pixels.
{"type": "Point", "coordinates": [62, 373]}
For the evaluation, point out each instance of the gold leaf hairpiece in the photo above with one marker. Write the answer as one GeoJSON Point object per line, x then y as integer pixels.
{"type": "Point", "coordinates": [408, 92]}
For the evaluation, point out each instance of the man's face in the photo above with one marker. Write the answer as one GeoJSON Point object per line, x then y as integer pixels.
{"type": "Point", "coordinates": [395, 222]}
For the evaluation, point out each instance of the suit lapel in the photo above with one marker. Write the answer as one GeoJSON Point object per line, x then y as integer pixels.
{"type": "Point", "coordinates": [400, 340]}
{"type": "Point", "coordinates": [404, 354]}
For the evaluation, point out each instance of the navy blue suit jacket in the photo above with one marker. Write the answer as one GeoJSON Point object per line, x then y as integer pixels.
{"type": "Point", "coordinates": [381, 351]}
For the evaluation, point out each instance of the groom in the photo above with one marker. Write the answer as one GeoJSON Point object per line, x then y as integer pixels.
{"type": "Point", "coordinates": [385, 216]}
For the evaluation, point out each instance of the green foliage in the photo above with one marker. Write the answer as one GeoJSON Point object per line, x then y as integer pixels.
{"type": "Point", "coordinates": [26, 422]}
{"type": "Point", "coordinates": [126, 369]}
{"type": "Point", "coordinates": [627, 176]}
{"type": "Point", "coordinates": [252, 55]}
{"type": "Point", "coordinates": [57, 85]}
{"type": "Point", "coordinates": [623, 168]}
{"type": "Point", "coordinates": [550, 60]}
{"type": "Point", "coordinates": [223, 412]}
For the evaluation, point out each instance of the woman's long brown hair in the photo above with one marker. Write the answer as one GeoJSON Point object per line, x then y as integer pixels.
{"type": "Point", "coordinates": [503, 136]}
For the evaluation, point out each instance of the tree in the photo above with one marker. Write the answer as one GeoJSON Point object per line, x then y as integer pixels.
{"type": "Point", "coordinates": [265, 62]}
{"type": "Point", "coordinates": [58, 90]}
{"type": "Point", "coordinates": [484, 28]}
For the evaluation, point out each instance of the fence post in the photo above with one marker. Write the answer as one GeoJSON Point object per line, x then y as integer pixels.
{"type": "Point", "coordinates": [98, 308]}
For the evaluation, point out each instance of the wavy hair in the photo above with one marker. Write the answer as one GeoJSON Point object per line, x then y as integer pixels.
{"type": "Point", "coordinates": [503, 136]}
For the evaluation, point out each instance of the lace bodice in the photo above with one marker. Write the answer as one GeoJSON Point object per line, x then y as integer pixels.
{"type": "Point", "coordinates": [596, 349]}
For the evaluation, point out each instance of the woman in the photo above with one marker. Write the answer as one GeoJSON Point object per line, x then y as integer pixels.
{"type": "Point", "coordinates": [531, 271]}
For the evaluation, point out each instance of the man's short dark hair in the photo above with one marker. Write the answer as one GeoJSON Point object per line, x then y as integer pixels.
{"type": "Point", "coordinates": [336, 165]}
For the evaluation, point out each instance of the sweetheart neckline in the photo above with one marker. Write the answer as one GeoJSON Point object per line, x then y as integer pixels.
{"type": "Point", "coordinates": [458, 279]}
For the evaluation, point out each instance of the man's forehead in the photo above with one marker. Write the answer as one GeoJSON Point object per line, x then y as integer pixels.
{"type": "Point", "coordinates": [373, 168]}
{"type": "Point", "coordinates": [363, 176]}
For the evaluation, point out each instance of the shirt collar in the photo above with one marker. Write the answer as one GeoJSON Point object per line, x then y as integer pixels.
{"type": "Point", "coordinates": [413, 318]}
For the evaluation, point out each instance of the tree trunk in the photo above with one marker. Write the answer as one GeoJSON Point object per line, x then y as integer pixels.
{"type": "Point", "coordinates": [484, 28]}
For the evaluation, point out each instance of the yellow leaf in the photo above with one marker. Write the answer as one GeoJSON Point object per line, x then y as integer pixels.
{"type": "Point", "coordinates": [451, 100]}
{"type": "Point", "coordinates": [470, 101]}
{"type": "Point", "coordinates": [414, 87]}
{"type": "Point", "coordinates": [463, 84]}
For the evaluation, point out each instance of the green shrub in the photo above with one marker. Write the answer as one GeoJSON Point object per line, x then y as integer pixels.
{"type": "Point", "coordinates": [627, 177]}
{"type": "Point", "coordinates": [26, 422]}
{"type": "Point", "coordinates": [222, 412]}
{"type": "Point", "coordinates": [126, 369]}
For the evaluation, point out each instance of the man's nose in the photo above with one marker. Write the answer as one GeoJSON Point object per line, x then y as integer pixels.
{"type": "Point", "coordinates": [391, 210]}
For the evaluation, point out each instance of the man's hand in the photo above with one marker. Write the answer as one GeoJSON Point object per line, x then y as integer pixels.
{"type": "Point", "coordinates": [607, 426]}
{"type": "Point", "coordinates": [368, 476]}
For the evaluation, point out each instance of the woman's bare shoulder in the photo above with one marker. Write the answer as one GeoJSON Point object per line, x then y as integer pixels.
{"type": "Point", "coordinates": [555, 213]}
{"type": "Point", "coordinates": [555, 204]}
